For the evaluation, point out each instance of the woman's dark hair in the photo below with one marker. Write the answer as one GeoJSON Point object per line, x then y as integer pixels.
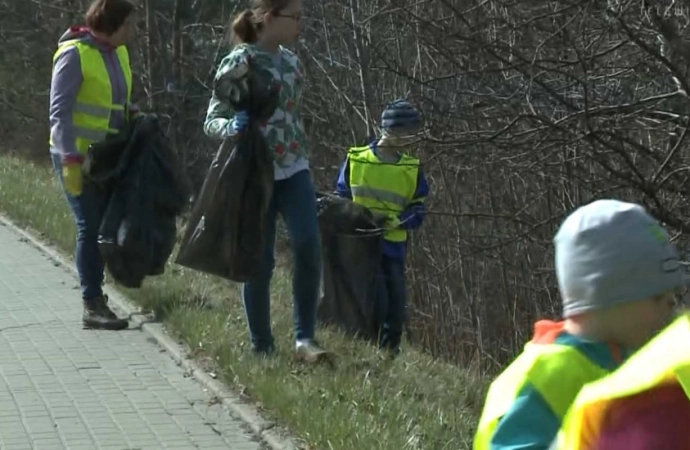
{"type": "Point", "coordinates": [247, 25]}
{"type": "Point", "coordinates": [108, 16]}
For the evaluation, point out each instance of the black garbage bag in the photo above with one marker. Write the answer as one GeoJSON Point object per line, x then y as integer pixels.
{"type": "Point", "coordinates": [226, 233]}
{"type": "Point", "coordinates": [351, 243]}
{"type": "Point", "coordinates": [146, 190]}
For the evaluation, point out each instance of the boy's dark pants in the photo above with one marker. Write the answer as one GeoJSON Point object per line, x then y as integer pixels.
{"type": "Point", "coordinates": [390, 305]}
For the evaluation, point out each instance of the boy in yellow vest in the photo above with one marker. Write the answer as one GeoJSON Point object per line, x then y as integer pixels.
{"type": "Point", "coordinates": [643, 405]}
{"type": "Point", "coordinates": [384, 179]}
{"type": "Point", "coordinates": [616, 271]}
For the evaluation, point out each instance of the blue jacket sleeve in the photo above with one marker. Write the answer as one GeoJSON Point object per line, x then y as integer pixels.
{"type": "Point", "coordinates": [64, 87]}
{"type": "Point", "coordinates": [413, 216]}
{"type": "Point", "coordinates": [343, 184]}
{"type": "Point", "coordinates": [530, 424]}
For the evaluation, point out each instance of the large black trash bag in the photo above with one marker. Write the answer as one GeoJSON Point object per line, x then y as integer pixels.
{"type": "Point", "coordinates": [139, 175]}
{"type": "Point", "coordinates": [351, 243]}
{"type": "Point", "coordinates": [226, 233]}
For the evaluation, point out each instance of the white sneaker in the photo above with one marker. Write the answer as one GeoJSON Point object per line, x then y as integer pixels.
{"type": "Point", "coordinates": [310, 352]}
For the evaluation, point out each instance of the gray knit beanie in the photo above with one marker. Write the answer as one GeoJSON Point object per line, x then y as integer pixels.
{"type": "Point", "coordinates": [610, 252]}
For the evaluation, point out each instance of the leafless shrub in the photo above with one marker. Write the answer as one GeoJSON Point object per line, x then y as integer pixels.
{"type": "Point", "coordinates": [533, 109]}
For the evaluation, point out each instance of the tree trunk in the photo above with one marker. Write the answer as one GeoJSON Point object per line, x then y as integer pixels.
{"type": "Point", "coordinates": [151, 34]}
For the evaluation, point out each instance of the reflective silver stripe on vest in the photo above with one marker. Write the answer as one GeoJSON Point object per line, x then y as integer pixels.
{"type": "Point", "coordinates": [94, 110]}
{"type": "Point", "coordinates": [378, 194]}
{"type": "Point", "coordinates": [91, 134]}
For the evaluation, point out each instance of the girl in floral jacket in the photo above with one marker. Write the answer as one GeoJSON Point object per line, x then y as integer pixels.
{"type": "Point", "coordinates": [261, 33]}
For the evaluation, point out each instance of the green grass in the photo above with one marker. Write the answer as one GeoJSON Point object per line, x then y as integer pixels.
{"type": "Point", "coordinates": [366, 403]}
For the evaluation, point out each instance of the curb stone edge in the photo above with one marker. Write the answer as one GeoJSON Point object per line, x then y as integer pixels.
{"type": "Point", "coordinates": [267, 431]}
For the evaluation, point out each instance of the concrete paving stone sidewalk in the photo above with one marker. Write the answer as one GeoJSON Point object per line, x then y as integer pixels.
{"type": "Point", "coordinates": [62, 387]}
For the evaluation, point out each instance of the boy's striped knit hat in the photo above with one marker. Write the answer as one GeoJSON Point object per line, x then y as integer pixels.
{"type": "Point", "coordinates": [400, 117]}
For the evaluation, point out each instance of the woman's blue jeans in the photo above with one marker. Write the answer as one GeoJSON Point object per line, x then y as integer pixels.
{"type": "Point", "coordinates": [295, 200]}
{"type": "Point", "coordinates": [88, 209]}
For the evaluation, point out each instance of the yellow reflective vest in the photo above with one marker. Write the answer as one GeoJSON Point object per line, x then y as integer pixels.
{"type": "Point", "coordinates": [386, 188]}
{"type": "Point", "coordinates": [556, 371]}
{"type": "Point", "coordinates": [94, 105]}
{"type": "Point", "coordinates": [664, 359]}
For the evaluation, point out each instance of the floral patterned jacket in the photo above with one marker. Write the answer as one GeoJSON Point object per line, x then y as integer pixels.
{"type": "Point", "coordinates": [284, 130]}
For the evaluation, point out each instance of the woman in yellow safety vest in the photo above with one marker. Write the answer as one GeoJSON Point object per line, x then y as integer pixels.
{"type": "Point", "coordinates": [90, 96]}
{"type": "Point", "coordinates": [643, 405]}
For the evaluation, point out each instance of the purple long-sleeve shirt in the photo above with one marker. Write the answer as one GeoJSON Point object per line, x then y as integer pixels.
{"type": "Point", "coordinates": [411, 218]}
{"type": "Point", "coordinates": [66, 82]}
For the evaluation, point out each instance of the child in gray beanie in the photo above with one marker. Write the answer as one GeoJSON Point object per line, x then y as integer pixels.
{"type": "Point", "coordinates": [617, 273]}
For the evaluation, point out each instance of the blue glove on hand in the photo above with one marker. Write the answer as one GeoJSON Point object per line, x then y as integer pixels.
{"type": "Point", "coordinates": [240, 121]}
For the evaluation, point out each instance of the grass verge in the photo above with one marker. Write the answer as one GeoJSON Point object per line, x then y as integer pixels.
{"type": "Point", "coordinates": [367, 402]}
